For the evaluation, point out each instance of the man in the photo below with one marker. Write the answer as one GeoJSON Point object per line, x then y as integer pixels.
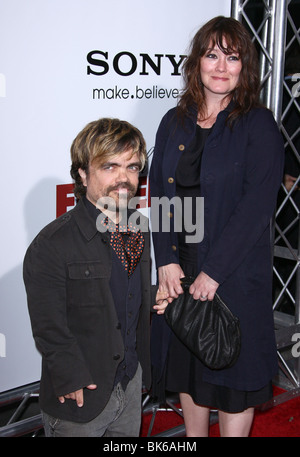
{"type": "Point", "coordinates": [88, 287]}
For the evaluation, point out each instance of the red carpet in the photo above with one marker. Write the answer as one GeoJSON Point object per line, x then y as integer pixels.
{"type": "Point", "coordinates": [282, 420]}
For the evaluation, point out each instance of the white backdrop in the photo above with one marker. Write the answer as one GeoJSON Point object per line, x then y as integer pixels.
{"type": "Point", "coordinates": [48, 92]}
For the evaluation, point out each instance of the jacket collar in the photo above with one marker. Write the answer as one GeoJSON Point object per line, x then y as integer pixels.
{"type": "Point", "coordinates": [85, 221]}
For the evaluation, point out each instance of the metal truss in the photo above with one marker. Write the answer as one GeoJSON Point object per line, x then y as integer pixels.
{"type": "Point", "coordinates": [274, 26]}
{"type": "Point", "coordinates": [24, 417]}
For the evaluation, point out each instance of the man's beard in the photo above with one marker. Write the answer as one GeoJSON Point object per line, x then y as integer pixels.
{"type": "Point", "coordinates": [119, 204]}
{"type": "Point", "coordinates": [122, 201]}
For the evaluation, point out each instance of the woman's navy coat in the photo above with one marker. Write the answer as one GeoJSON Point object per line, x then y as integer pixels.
{"type": "Point", "coordinates": [241, 172]}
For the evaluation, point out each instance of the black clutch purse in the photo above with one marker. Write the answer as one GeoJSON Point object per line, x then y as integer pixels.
{"type": "Point", "coordinates": [207, 328]}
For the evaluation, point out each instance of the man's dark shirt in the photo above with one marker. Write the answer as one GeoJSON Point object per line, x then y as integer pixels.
{"type": "Point", "coordinates": [126, 292]}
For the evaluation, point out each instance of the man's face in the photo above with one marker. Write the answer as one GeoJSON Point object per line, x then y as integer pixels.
{"type": "Point", "coordinates": [117, 179]}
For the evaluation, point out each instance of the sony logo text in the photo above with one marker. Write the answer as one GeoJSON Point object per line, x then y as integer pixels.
{"type": "Point", "coordinates": [125, 63]}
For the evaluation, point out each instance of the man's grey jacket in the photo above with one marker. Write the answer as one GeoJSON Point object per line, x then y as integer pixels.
{"type": "Point", "coordinates": [67, 271]}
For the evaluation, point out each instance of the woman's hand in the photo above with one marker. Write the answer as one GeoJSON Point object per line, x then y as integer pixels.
{"type": "Point", "coordinates": [169, 286]}
{"type": "Point", "coordinates": [169, 280]}
{"type": "Point", "coordinates": [204, 287]}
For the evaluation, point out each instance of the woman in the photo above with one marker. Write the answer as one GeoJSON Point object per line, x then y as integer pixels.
{"type": "Point", "coordinates": [219, 144]}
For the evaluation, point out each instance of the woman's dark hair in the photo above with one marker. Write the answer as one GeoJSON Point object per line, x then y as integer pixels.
{"type": "Point", "coordinates": [222, 31]}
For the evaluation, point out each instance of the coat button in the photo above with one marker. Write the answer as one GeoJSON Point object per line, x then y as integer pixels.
{"type": "Point", "coordinates": [87, 273]}
{"type": "Point", "coordinates": [170, 180]}
{"type": "Point", "coordinates": [174, 248]}
{"type": "Point", "coordinates": [116, 356]}
{"type": "Point", "coordinates": [181, 147]}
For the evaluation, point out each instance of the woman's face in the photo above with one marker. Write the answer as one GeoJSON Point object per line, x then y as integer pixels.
{"type": "Point", "coordinates": [219, 72]}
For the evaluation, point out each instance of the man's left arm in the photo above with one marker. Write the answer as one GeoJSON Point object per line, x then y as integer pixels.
{"type": "Point", "coordinates": [45, 281]}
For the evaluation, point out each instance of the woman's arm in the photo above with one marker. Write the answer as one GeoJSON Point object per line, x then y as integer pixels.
{"type": "Point", "coordinates": [252, 215]}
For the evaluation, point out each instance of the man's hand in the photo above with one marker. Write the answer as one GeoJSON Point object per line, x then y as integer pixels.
{"type": "Point", "coordinates": [77, 395]}
{"type": "Point", "coordinates": [161, 301]}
